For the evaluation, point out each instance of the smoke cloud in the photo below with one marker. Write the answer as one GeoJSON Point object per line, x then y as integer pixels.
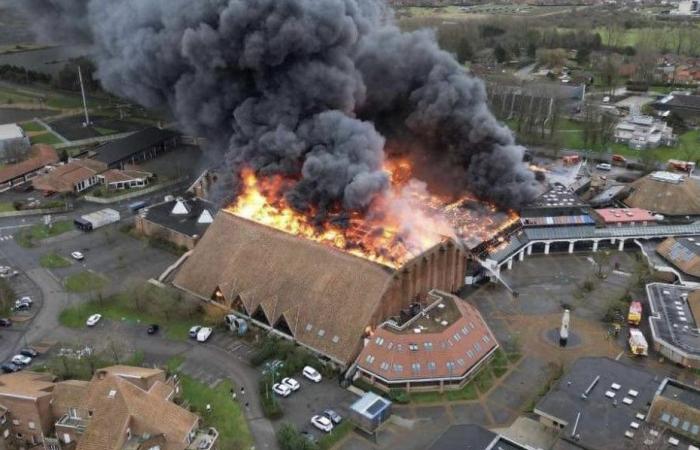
{"type": "Point", "coordinates": [300, 87]}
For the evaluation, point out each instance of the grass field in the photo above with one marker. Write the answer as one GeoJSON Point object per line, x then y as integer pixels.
{"type": "Point", "coordinates": [85, 282]}
{"type": "Point", "coordinates": [29, 237]}
{"type": "Point", "coordinates": [44, 138]}
{"type": "Point", "coordinates": [225, 414]}
{"type": "Point", "coordinates": [53, 261]}
{"type": "Point", "coordinates": [6, 207]}
{"type": "Point", "coordinates": [119, 308]}
{"type": "Point", "coordinates": [32, 127]}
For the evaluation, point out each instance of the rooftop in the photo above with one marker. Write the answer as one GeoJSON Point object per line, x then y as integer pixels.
{"type": "Point", "coordinates": [446, 340]}
{"type": "Point", "coordinates": [64, 177]}
{"type": "Point", "coordinates": [604, 395]}
{"type": "Point", "coordinates": [558, 196]}
{"type": "Point", "coordinates": [680, 392]}
{"type": "Point", "coordinates": [10, 131]}
{"type": "Point", "coordinates": [190, 216]}
{"type": "Point", "coordinates": [672, 322]}
{"type": "Point", "coordinates": [26, 383]}
{"type": "Point", "coordinates": [115, 151]}
{"type": "Point", "coordinates": [625, 215]}
{"type": "Point", "coordinates": [41, 156]}
{"type": "Point", "coordinates": [370, 405]}
{"type": "Point", "coordinates": [682, 252]}
{"type": "Point", "coordinates": [665, 193]}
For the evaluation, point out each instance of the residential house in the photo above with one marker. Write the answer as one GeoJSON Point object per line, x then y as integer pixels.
{"type": "Point", "coordinates": [642, 132]}
{"type": "Point", "coordinates": [76, 176]}
{"type": "Point", "coordinates": [120, 408]}
{"type": "Point", "coordinates": [129, 178]}
{"type": "Point", "coordinates": [41, 155]}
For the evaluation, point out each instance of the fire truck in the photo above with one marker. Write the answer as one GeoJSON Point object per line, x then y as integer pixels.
{"type": "Point", "coordinates": [638, 343]}
{"type": "Point", "coordinates": [681, 166]}
{"type": "Point", "coordinates": [570, 160]}
{"type": "Point", "coordinates": [634, 316]}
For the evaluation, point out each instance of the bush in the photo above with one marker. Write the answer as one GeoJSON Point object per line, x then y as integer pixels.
{"type": "Point", "coordinates": [398, 396]}
{"type": "Point", "coordinates": [289, 438]}
{"type": "Point", "coordinates": [270, 405]}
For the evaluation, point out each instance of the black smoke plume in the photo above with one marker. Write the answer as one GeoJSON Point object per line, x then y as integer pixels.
{"type": "Point", "coordinates": [306, 88]}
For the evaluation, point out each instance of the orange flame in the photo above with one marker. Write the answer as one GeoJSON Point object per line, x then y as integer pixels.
{"type": "Point", "coordinates": [399, 225]}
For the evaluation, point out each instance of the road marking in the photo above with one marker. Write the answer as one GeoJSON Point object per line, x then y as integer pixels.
{"type": "Point", "coordinates": [619, 355]}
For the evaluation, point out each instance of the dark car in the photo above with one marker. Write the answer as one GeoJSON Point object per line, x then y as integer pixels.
{"type": "Point", "coordinates": [333, 416]}
{"type": "Point", "coordinates": [28, 351]}
{"type": "Point", "coordinates": [5, 322]}
{"type": "Point", "coordinates": [10, 367]}
{"type": "Point", "coordinates": [153, 328]}
{"type": "Point", "coordinates": [24, 306]}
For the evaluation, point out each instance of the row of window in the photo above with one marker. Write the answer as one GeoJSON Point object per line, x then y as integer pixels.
{"type": "Point", "coordinates": [675, 422]}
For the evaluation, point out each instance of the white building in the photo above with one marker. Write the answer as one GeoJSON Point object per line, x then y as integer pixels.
{"type": "Point", "coordinates": [13, 141]}
{"type": "Point", "coordinates": [687, 8]}
{"type": "Point", "coordinates": [641, 132]}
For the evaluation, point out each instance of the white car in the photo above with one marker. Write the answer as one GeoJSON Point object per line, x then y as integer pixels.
{"type": "Point", "coordinates": [312, 374]}
{"type": "Point", "coordinates": [24, 300]}
{"type": "Point", "coordinates": [194, 330]}
{"type": "Point", "coordinates": [603, 166]}
{"type": "Point", "coordinates": [93, 319]}
{"type": "Point", "coordinates": [77, 256]}
{"type": "Point", "coordinates": [322, 423]}
{"type": "Point", "coordinates": [203, 334]}
{"type": "Point", "coordinates": [21, 360]}
{"type": "Point", "coordinates": [291, 383]}
{"type": "Point", "coordinates": [281, 389]}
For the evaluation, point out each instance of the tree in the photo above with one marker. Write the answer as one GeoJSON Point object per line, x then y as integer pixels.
{"type": "Point", "coordinates": [290, 439]}
{"type": "Point", "coordinates": [531, 50]}
{"type": "Point", "coordinates": [552, 58]}
{"type": "Point", "coordinates": [465, 52]}
{"type": "Point", "coordinates": [609, 71]}
{"type": "Point", "coordinates": [500, 53]}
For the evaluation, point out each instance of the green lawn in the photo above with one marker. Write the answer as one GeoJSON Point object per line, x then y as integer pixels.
{"type": "Point", "coordinates": [28, 237]}
{"type": "Point", "coordinates": [120, 307]}
{"type": "Point", "coordinates": [225, 415]}
{"type": "Point", "coordinates": [6, 207]}
{"type": "Point", "coordinates": [31, 127]}
{"type": "Point", "coordinates": [54, 261]}
{"type": "Point", "coordinates": [85, 282]}
{"type": "Point", "coordinates": [45, 138]}
{"type": "Point", "coordinates": [105, 131]}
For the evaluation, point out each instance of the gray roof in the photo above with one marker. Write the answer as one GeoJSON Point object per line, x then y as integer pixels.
{"type": "Point", "coordinates": [672, 321]}
{"type": "Point", "coordinates": [473, 437]}
{"type": "Point", "coordinates": [601, 424]}
{"type": "Point", "coordinates": [187, 224]}
{"type": "Point", "coordinates": [680, 392]}
{"type": "Point", "coordinates": [116, 151]}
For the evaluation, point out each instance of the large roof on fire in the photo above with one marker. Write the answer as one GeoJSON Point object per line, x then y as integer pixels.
{"type": "Point", "coordinates": [325, 296]}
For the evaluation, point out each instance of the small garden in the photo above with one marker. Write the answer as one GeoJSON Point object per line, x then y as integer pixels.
{"type": "Point", "coordinates": [53, 261]}
{"type": "Point", "coordinates": [86, 281]}
{"type": "Point", "coordinates": [32, 236]}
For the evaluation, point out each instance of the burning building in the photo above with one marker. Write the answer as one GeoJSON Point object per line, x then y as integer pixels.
{"type": "Point", "coordinates": [320, 296]}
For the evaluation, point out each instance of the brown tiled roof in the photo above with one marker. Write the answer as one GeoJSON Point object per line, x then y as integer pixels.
{"type": "Point", "coordinates": [26, 383]}
{"type": "Point", "coordinates": [327, 297]}
{"type": "Point", "coordinates": [41, 156]}
{"type": "Point", "coordinates": [116, 175]}
{"type": "Point", "coordinates": [63, 178]}
{"type": "Point", "coordinates": [449, 353]}
{"type": "Point", "coordinates": [683, 255]}
{"type": "Point", "coordinates": [161, 390]}
{"type": "Point", "coordinates": [694, 304]}
{"type": "Point", "coordinates": [68, 394]}
{"type": "Point", "coordinates": [665, 198]}
{"type": "Point", "coordinates": [118, 404]}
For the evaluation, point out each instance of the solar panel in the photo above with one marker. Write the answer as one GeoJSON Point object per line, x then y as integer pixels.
{"type": "Point", "coordinates": [375, 407]}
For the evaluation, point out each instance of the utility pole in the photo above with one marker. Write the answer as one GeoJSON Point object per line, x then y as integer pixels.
{"type": "Point", "coordinates": [82, 91]}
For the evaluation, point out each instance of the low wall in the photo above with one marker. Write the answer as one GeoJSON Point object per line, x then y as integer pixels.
{"type": "Point", "coordinates": [34, 212]}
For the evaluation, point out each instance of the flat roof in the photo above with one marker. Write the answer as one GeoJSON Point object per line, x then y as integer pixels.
{"type": "Point", "coordinates": [680, 392]}
{"type": "Point", "coordinates": [671, 320]}
{"type": "Point", "coordinates": [602, 420]}
{"type": "Point", "coordinates": [370, 404]}
{"type": "Point", "coordinates": [10, 131]}
{"type": "Point", "coordinates": [625, 215]}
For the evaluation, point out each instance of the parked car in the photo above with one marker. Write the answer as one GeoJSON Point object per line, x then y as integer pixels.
{"type": "Point", "coordinates": [281, 389]}
{"type": "Point", "coordinates": [25, 299]}
{"type": "Point", "coordinates": [78, 256]}
{"type": "Point", "coordinates": [194, 330]}
{"type": "Point", "coordinates": [334, 416]}
{"type": "Point", "coordinates": [203, 334]}
{"type": "Point", "coordinates": [23, 303]}
{"type": "Point", "coordinates": [22, 306]}
{"type": "Point", "coordinates": [4, 322]}
{"type": "Point", "coordinates": [21, 360]}
{"type": "Point", "coordinates": [312, 374]}
{"type": "Point", "coordinates": [322, 423]}
{"type": "Point", "coordinates": [291, 383]}
{"type": "Point", "coordinates": [93, 319]}
{"type": "Point", "coordinates": [29, 351]}
{"type": "Point", "coordinates": [153, 328]}
{"type": "Point", "coordinates": [603, 166]}
{"type": "Point", "coordinates": [10, 367]}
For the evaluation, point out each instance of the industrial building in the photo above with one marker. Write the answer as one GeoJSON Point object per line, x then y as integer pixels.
{"type": "Point", "coordinates": [441, 347]}
{"type": "Point", "coordinates": [13, 141]}
{"type": "Point", "coordinates": [673, 322]}
{"type": "Point", "coordinates": [666, 193]}
{"type": "Point", "coordinates": [676, 406]}
{"type": "Point", "coordinates": [140, 146]}
{"type": "Point", "coordinates": [181, 221]}
{"type": "Point", "coordinates": [274, 279]}
{"type": "Point", "coordinates": [626, 217]}
{"type": "Point", "coordinates": [600, 403]}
